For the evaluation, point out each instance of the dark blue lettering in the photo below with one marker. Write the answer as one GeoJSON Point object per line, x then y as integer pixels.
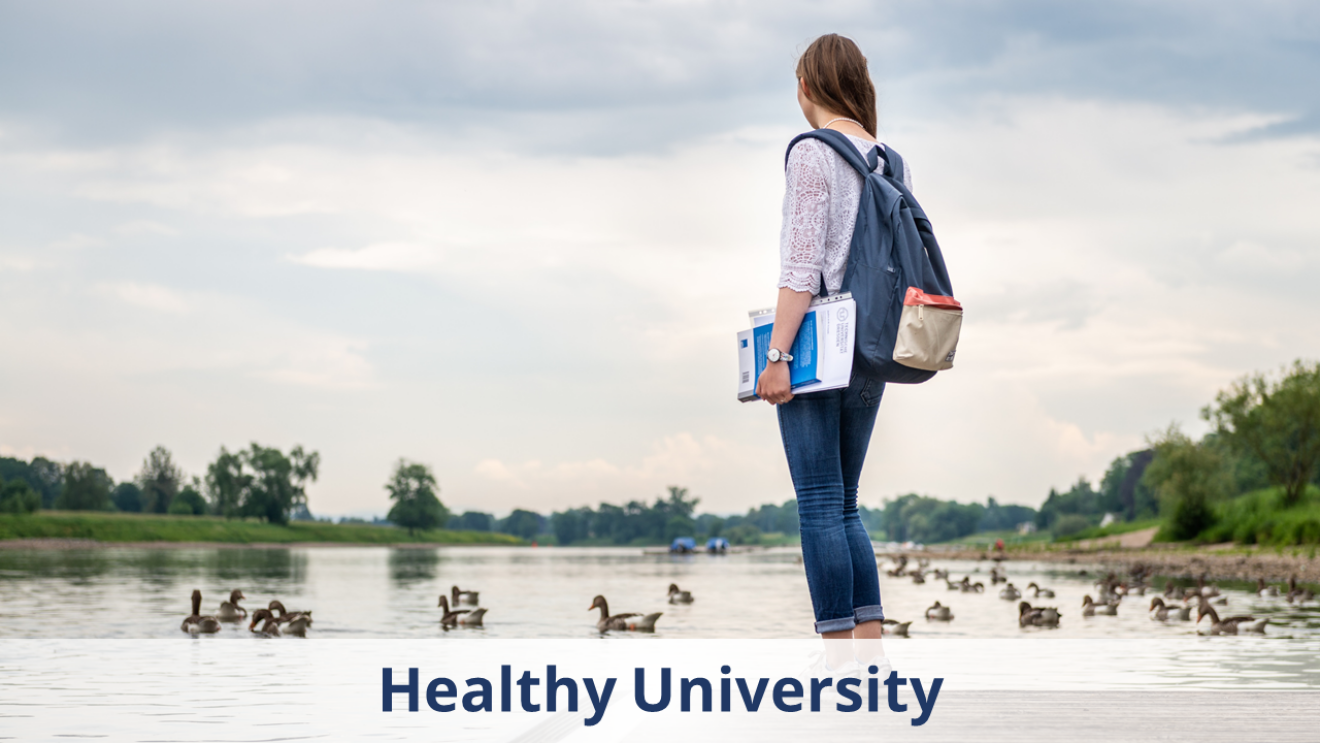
{"type": "Point", "coordinates": [389, 689]}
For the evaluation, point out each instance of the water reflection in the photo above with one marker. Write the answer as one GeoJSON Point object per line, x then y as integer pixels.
{"type": "Point", "coordinates": [410, 566]}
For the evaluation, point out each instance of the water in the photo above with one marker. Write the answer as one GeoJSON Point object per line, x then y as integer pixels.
{"type": "Point", "coordinates": [370, 592]}
{"type": "Point", "coordinates": [90, 647]}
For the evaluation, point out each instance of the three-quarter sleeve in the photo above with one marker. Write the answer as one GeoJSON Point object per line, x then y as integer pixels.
{"type": "Point", "coordinates": [806, 218]}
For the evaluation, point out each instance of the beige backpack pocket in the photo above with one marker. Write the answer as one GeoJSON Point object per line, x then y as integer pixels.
{"type": "Point", "coordinates": [928, 331]}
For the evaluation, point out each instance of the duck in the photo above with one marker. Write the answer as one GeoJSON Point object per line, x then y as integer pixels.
{"type": "Point", "coordinates": [1204, 589]}
{"type": "Point", "coordinates": [679, 597]}
{"type": "Point", "coordinates": [940, 574]}
{"type": "Point", "coordinates": [1040, 592]}
{"type": "Point", "coordinates": [899, 628]}
{"type": "Point", "coordinates": [463, 597]}
{"type": "Point", "coordinates": [1158, 611]}
{"type": "Point", "coordinates": [918, 578]}
{"type": "Point", "coordinates": [195, 624]}
{"type": "Point", "coordinates": [230, 611]}
{"type": "Point", "coordinates": [1265, 591]}
{"type": "Point", "coordinates": [269, 628]}
{"type": "Point", "coordinates": [900, 567]}
{"type": "Point", "coordinates": [1037, 616]}
{"type": "Point", "coordinates": [996, 576]}
{"type": "Point", "coordinates": [1009, 593]}
{"type": "Point", "coordinates": [1230, 625]}
{"type": "Point", "coordinates": [939, 612]}
{"type": "Point", "coordinates": [1090, 608]}
{"type": "Point", "coordinates": [622, 622]}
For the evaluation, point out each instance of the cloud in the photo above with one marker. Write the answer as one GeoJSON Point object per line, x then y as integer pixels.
{"type": "Point", "coordinates": [148, 296]}
{"type": "Point", "coordinates": [396, 256]}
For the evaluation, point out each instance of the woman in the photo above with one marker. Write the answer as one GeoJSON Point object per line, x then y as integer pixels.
{"type": "Point", "coordinates": [826, 433]}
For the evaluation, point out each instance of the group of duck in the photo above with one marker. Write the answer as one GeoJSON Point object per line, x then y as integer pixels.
{"type": "Point", "coordinates": [274, 620]}
{"type": "Point", "coordinates": [452, 617]}
{"type": "Point", "coordinates": [1175, 604]}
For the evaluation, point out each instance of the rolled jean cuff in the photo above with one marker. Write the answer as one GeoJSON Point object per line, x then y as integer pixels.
{"type": "Point", "coordinates": [842, 624]}
{"type": "Point", "coordinates": [874, 613]}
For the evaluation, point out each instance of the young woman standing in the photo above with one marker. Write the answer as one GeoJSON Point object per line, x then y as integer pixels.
{"type": "Point", "coordinates": [826, 433]}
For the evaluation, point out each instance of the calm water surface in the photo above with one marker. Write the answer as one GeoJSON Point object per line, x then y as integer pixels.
{"type": "Point", "coordinates": [368, 592]}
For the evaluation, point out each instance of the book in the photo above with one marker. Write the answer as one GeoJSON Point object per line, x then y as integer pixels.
{"type": "Point", "coordinates": [822, 351]}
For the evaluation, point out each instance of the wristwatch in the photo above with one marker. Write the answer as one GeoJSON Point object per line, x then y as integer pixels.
{"type": "Point", "coordinates": [774, 355]}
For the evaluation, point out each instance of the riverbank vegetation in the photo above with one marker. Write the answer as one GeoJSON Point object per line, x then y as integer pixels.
{"type": "Point", "coordinates": [136, 527]}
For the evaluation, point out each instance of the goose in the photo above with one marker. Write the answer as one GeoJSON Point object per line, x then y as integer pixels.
{"type": "Point", "coordinates": [1230, 625]}
{"type": "Point", "coordinates": [1038, 616]}
{"type": "Point", "coordinates": [1170, 591]}
{"type": "Point", "coordinates": [1040, 592]}
{"type": "Point", "coordinates": [452, 618]}
{"type": "Point", "coordinates": [622, 621]}
{"type": "Point", "coordinates": [941, 574]}
{"type": "Point", "coordinates": [285, 615]}
{"type": "Point", "coordinates": [939, 613]}
{"type": "Point", "coordinates": [918, 578]}
{"type": "Point", "coordinates": [952, 586]}
{"type": "Point", "coordinates": [996, 576]}
{"type": "Point", "coordinates": [1010, 593]}
{"type": "Point", "coordinates": [1207, 590]}
{"type": "Point", "coordinates": [967, 586]}
{"type": "Point", "coordinates": [269, 628]}
{"type": "Point", "coordinates": [230, 611]}
{"type": "Point", "coordinates": [1265, 591]}
{"type": "Point", "coordinates": [899, 628]}
{"type": "Point", "coordinates": [900, 567]}
{"type": "Point", "coordinates": [1300, 595]}
{"type": "Point", "coordinates": [1158, 611]}
{"type": "Point", "coordinates": [679, 597]}
{"type": "Point", "coordinates": [195, 624]}
{"type": "Point", "coordinates": [1090, 608]}
{"type": "Point", "coordinates": [463, 597]}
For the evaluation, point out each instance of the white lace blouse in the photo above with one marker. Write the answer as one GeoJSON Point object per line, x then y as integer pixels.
{"type": "Point", "coordinates": [820, 211]}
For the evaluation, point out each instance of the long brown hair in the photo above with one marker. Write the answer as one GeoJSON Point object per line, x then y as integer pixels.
{"type": "Point", "coordinates": [836, 75]}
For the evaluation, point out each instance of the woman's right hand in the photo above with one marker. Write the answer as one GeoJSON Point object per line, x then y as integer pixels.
{"type": "Point", "coordinates": [774, 386]}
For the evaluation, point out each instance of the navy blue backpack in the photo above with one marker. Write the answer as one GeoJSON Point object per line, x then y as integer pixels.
{"type": "Point", "coordinates": [893, 248]}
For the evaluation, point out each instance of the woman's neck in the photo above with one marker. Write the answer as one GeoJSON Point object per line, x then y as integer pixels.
{"type": "Point", "coordinates": [840, 123]}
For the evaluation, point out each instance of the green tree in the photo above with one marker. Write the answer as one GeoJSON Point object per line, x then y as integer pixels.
{"type": "Point", "coordinates": [189, 501]}
{"type": "Point", "coordinates": [227, 483]}
{"type": "Point", "coordinates": [17, 497]}
{"type": "Point", "coordinates": [277, 483]}
{"type": "Point", "coordinates": [417, 506]}
{"type": "Point", "coordinates": [86, 488]}
{"type": "Point", "coordinates": [1189, 479]}
{"type": "Point", "coordinates": [159, 479]}
{"type": "Point", "coordinates": [1277, 420]}
{"type": "Point", "coordinates": [127, 497]}
{"type": "Point", "coordinates": [522, 523]}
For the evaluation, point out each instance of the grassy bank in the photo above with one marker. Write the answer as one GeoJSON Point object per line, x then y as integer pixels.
{"type": "Point", "coordinates": [1261, 518]}
{"type": "Point", "coordinates": [126, 527]}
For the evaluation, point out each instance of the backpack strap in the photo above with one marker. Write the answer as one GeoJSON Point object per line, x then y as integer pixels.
{"type": "Point", "coordinates": [894, 166]}
{"type": "Point", "coordinates": [842, 145]}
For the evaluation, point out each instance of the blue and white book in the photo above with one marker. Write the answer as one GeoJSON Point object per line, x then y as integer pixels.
{"type": "Point", "coordinates": [822, 351]}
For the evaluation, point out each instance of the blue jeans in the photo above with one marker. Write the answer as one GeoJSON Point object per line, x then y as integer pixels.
{"type": "Point", "coordinates": [825, 437]}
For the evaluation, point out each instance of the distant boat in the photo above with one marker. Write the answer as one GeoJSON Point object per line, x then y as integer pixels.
{"type": "Point", "coordinates": [717, 545]}
{"type": "Point", "coordinates": [683, 545]}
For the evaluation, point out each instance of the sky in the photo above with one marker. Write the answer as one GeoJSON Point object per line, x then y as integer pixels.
{"type": "Point", "coordinates": [514, 240]}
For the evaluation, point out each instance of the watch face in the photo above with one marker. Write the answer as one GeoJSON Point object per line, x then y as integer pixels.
{"type": "Point", "coordinates": [773, 355]}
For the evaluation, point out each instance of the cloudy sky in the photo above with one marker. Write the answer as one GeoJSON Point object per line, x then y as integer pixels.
{"type": "Point", "coordinates": [514, 240]}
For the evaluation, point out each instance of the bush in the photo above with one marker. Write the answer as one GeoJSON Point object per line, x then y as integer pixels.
{"type": "Point", "coordinates": [16, 497]}
{"type": "Point", "coordinates": [1070, 523]}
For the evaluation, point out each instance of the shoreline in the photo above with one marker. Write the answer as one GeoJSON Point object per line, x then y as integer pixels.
{"type": "Point", "coordinates": [1217, 562]}
{"type": "Point", "coordinates": [42, 543]}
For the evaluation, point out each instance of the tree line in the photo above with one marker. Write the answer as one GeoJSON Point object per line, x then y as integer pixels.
{"type": "Point", "coordinates": [1251, 478]}
{"type": "Point", "coordinates": [258, 482]}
